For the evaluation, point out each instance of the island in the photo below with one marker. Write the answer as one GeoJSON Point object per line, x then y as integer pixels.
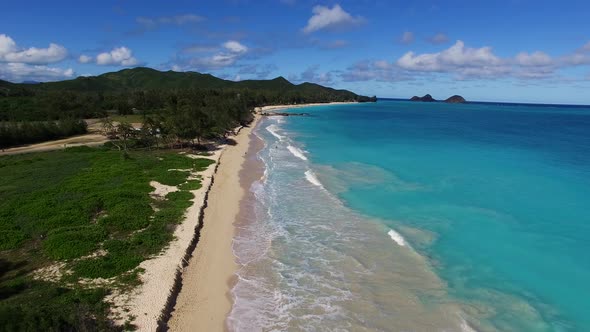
{"type": "Point", "coordinates": [427, 98]}
{"type": "Point", "coordinates": [456, 99]}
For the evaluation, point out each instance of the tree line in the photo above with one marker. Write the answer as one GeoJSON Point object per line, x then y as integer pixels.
{"type": "Point", "coordinates": [187, 119]}
{"type": "Point", "coordinates": [34, 115]}
{"type": "Point", "coordinates": [27, 132]}
{"type": "Point", "coordinates": [43, 105]}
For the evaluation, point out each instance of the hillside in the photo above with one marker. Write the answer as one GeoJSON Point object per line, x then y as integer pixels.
{"type": "Point", "coordinates": [142, 78]}
{"type": "Point", "coordinates": [137, 78]}
{"type": "Point", "coordinates": [151, 91]}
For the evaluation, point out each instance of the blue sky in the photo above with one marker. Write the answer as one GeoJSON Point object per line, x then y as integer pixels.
{"type": "Point", "coordinates": [519, 50]}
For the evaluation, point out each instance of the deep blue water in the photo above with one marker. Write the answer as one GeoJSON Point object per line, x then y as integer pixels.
{"type": "Point", "coordinates": [497, 197]}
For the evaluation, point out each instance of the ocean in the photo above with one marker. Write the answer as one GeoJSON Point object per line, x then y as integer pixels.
{"type": "Point", "coordinates": [405, 216]}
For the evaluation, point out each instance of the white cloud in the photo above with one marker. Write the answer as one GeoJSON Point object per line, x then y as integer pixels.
{"type": "Point", "coordinates": [120, 56]}
{"type": "Point", "coordinates": [10, 52]}
{"type": "Point", "coordinates": [7, 44]}
{"type": "Point", "coordinates": [468, 63]}
{"type": "Point", "coordinates": [326, 18]}
{"type": "Point", "coordinates": [578, 58]}
{"type": "Point", "coordinates": [19, 72]}
{"type": "Point", "coordinates": [84, 59]}
{"type": "Point", "coordinates": [224, 55]}
{"type": "Point", "coordinates": [439, 38]}
{"type": "Point", "coordinates": [534, 59]}
{"type": "Point", "coordinates": [456, 58]}
{"type": "Point", "coordinates": [407, 37]}
{"type": "Point", "coordinates": [235, 47]}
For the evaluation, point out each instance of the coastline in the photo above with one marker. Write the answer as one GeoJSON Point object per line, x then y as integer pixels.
{"type": "Point", "coordinates": [204, 300]}
{"type": "Point", "coordinates": [284, 107]}
{"type": "Point", "coordinates": [145, 305]}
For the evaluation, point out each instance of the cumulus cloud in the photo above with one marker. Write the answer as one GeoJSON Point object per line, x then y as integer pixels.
{"type": "Point", "coordinates": [534, 59]}
{"type": "Point", "coordinates": [120, 56]}
{"type": "Point", "coordinates": [19, 72]}
{"type": "Point", "coordinates": [10, 52]}
{"type": "Point", "coordinates": [84, 59]}
{"type": "Point", "coordinates": [330, 18]}
{"type": "Point", "coordinates": [468, 63]}
{"type": "Point", "coordinates": [439, 38]}
{"type": "Point", "coordinates": [227, 54]}
{"type": "Point", "coordinates": [155, 22]}
{"type": "Point", "coordinates": [578, 58]}
{"type": "Point", "coordinates": [407, 37]}
{"type": "Point", "coordinates": [457, 57]}
{"type": "Point", "coordinates": [235, 47]}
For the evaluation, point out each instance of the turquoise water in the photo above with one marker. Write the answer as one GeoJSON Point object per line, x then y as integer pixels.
{"type": "Point", "coordinates": [494, 199]}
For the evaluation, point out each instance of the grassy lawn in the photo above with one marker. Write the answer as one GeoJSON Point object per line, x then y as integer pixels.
{"type": "Point", "coordinates": [88, 209]}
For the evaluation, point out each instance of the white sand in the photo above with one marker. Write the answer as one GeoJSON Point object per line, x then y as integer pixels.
{"type": "Point", "coordinates": [204, 300]}
{"type": "Point", "coordinates": [284, 107]}
{"type": "Point", "coordinates": [147, 301]}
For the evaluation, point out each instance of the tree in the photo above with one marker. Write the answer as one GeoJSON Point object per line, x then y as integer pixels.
{"type": "Point", "coordinates": [108, 128]}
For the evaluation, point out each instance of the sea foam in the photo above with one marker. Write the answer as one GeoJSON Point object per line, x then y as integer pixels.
{"type": "Point", "coordinates": [310, 176]}
{"type": "Point", "coordinates": [297, 152]}
{"type": "Point", "coordinates": [396, 237]}
{"type": "Point", "coordinates": [273, 130]}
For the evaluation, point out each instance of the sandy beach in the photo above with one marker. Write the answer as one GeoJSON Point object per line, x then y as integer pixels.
{"type": "Point", "coordinates": [204, 302]}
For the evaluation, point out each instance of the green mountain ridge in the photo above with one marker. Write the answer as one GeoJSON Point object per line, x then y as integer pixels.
{"type": "Point", "coordinates": [142, 78]}
{"type": "Point", "coordinates": [150, 90]}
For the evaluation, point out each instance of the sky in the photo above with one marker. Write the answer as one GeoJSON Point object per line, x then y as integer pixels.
{"type": "Point", "coordinates": [504, 50]}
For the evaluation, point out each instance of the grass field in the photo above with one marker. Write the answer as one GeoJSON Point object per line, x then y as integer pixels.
{"type": "Point", "coordinates": [89, 211]}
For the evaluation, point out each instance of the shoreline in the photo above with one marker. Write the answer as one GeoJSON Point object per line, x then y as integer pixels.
{"type": "Point", "coordinates": [146, 305]}
{"type": "Point", "coordinates": [285, 107]}
{"type": "Point", "coordinates": [204, 297]}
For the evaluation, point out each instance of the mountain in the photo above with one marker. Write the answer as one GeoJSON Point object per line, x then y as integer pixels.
{"type": "Point", "coordinates": [137, 78]}
{"type": "Point", "coordinates": [142, 78]}
{"type": "Point", "coordinates": [427, 98]}
{"type": "Point", "coordinates": [456, 99]}
{"type": "Point", "coordinates": [150, 90]}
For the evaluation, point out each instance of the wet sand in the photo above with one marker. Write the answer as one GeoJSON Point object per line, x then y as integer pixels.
{"type": "Point", "coordinates": [204, 300]}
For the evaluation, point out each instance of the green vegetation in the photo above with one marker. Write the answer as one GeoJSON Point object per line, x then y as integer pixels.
{"type": "Point", "coordinates": [90, 209]}
{"type": "Point", "coordinates": [131, 118]}
{"type": "Point", "coordinates": [151, 91]}
{"type": "Point", "coordinates": [18, 133]}
{"type": "Point", "coordinates": [85, 213]}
